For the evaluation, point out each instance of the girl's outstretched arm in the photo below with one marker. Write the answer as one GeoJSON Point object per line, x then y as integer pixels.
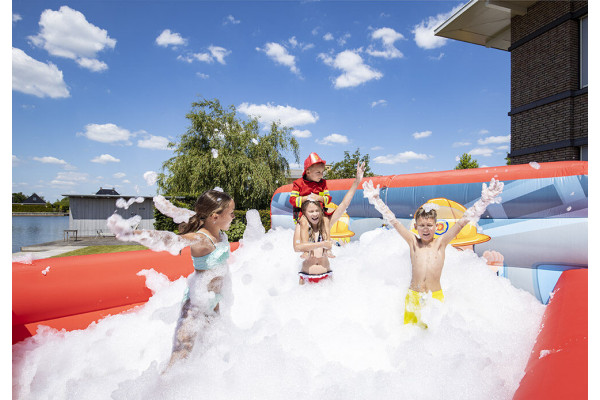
{"type": "Point", "coordinates": [154, 240]}
{"type": "Point", "coordinates": [341, 209]}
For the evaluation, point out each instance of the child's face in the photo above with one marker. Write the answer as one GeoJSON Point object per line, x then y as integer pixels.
{"type": "Point", "coordinates": [226, 216]}
{"type": "Point", "coordinates": [425, 228]}
{"type": "Point", "coordinates": [315, 172]}
{"type": "Point", "coordinates": [313, 213]}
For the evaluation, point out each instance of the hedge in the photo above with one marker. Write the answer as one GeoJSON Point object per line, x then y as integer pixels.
{"type": "Point", "coordinates": [235, 232]}
{"type": "Point", "coordinates": [32, 208]}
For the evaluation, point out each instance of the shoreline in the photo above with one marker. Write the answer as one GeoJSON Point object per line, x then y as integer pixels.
{"type": "Point", "coordinates": [40, 214]}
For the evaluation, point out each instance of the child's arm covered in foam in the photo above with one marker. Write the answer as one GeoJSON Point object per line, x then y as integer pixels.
{"type": "Point", "coordinates": [372, 194]}
{"type": "Point", "coordinates": [489, 195]}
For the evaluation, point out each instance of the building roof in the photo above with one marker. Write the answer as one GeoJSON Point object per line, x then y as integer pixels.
{"type": "Point", "coordinates": [107, 192]}
{"type": "Point", "coordinates": [34, 199]}
{"type": "Point", "coordinates": [105, 196]}
{"type": "Point", "coordinates": [484, 22]}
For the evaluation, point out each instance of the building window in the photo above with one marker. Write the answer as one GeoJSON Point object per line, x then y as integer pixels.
{"type": "Point", "coordinates": [583, 51]}
{"type": "Point", "coordinates": [583, 150]}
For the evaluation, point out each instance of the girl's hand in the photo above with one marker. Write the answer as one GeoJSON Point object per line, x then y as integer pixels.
{"type": "Point", "coordinates": [360, 171]}
{"type": "Point", "coordinates": [327, 244]}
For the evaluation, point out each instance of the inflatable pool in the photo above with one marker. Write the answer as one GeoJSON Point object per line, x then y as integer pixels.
{"type": "Point", "coordinates": [540, 228]}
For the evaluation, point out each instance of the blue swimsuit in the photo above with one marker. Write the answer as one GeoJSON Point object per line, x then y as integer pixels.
{"type": "Point", "coordinates": [216, 258]}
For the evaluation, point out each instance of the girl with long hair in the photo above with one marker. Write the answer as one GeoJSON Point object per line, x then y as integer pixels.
{"type": "Point", "coordinates": [314, 237]}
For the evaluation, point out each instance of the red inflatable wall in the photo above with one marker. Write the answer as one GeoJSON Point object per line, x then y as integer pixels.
{"type": "Point", "coordinates": [79, 290]}
{"type": "Point", "coordinates": [558, 365]}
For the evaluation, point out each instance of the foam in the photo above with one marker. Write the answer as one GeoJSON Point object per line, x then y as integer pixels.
{"type": "Point", "coordinates": [343, 338]}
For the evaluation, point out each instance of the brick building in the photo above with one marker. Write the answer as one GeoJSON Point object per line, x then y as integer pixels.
{"type": "Point", "coordinates": [548, 45]}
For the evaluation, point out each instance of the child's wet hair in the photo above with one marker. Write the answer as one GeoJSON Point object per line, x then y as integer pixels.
{"type": "Point", "coordinates": [421, 213]}
{"type": "Point", "coordinates": [208, 203]}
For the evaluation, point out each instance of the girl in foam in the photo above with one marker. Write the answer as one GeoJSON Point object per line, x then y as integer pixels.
{"type": "Point", "coordinates": [203, 233]}
{"type": "Point", "coordinates": [314, 237]}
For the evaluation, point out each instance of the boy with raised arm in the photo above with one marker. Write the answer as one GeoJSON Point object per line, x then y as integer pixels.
{"type": "Point", "coordinates": [426, 254]}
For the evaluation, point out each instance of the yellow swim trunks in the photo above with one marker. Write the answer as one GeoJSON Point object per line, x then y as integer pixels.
{"type": "Point", "coordinates": [413, 304]}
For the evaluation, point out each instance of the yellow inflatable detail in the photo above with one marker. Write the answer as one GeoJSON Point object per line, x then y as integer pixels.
{"type": "Point", "coordinates": [448, 212]}
{"type": "Point", "coordinates": [340, 231]}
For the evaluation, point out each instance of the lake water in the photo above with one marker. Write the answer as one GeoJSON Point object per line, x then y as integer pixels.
{"type": "Point", "coordinates": [27, 231]}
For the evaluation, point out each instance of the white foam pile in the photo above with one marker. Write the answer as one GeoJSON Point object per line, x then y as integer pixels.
{"type": "Point", "coordinates": [179, 215]}
{"type": "Point", "coordinates": [122, 203]}
{"type": "Point", "coordinates": [340, 339]}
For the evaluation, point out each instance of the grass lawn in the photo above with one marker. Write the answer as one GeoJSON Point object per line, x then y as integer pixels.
{"type": "Point", "coordinates": [102, 249]}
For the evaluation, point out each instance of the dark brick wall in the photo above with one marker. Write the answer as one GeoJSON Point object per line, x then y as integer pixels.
{"type": "Point", "coordinates": [542, 67]}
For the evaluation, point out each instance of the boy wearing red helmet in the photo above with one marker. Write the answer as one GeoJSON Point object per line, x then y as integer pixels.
{"type": "Point", "coordinates": [311, 185]}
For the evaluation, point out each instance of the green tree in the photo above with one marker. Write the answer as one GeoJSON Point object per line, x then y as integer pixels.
{"type": "Point", "coordinates": [61, 205]}
{"type": "Point", "coordinates": [18, 197]}
{"type": "Point", "coordinates": [508, 160]}
{"type": "Point", "coordinates": [467, 162]}
{"type": "Point", "coordinates": [220, 149]}
{"type": "Point", "coordinates": [347, 167]}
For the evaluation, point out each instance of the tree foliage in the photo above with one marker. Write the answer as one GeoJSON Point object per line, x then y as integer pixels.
{"type": "Point", "coordinates": [346, 168]}
{"type": "Point", "coordinates": [467, 162]}
{"type": "Point", "coordinates": [220, 149]}
{"type": "Point", "coordinates": [18, 197]}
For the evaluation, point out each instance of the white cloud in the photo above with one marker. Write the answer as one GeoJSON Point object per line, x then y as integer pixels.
{"type": "Point", "coordinates": [302, 134]}
{"type": "Point", "coordinates": [50, 160]}
{"type": "Point", "coordinates": [280, 55]}
{"type": "Point", "coordinates": [437, 58]}
{"type": "Point", "coordinates": [119, 175]}
{"type": "Point", "coordinates": [106, 133]}
{"type": "Point", "coordinates": [288, 116]}
{"type": "Point", "coordinates": [424, 31]}
{"type": "Point", "coordinates": [201, 75]}
{"type": "Point", "coordinates": [92, 64]}
{"type": "Point", "coordinates": [502, 147]}
{"type": "Point", "coordinates": [494, 140]}
{"type": "Point", "coordinates": [421, 135]}
{"type": "Point", "coordinates": [219, 53]}
{"type": "Point", "coordinates": [66, 33]}
{"type": "Point", "coordinates": [334, 138]}
{"type": "Point", "coordinates": [355, 71]}
{"type": "Point", "coordinates": [168, 38]}
{"type": "Point", "coordinates": [483, 132]}
{"type": "Point", "coordinates": [105, 158]}
{"type": "Point", "coordinates": [342, 40]}
{"type": "Point", "coordinates": [15, 160]}
{"type": "Point", "coordinates": [328, 36]}
{"type": "Point", "coordinates": [403, 157]}
{"type": "Point", "coordinates": [215, 54]}
{"type": "Point", "coordinates": [481, 151]}
{"type": "Point", "coordinates": [388, 37]}
{"type": "Point", "coordinates": [461, 144]}
{"type": "Point", "coordinates": [230, 19]}
{"type": "Point", "coordinates": [30, 76]}
{"type": "Point", "coordinates": [69, 178]}
{"type": "Point", "coordinates": [379, 103]}
{"type": "Point", "coordinates": [376, 148]}
{"type": "Point", "coordinates": [126, 181]}
{"type": "Point", "coordinates": [296, 44]}
{"type": "Point", "coordinates": [154, 142]}
{"type": "Point", "coordinates": [16, 17]}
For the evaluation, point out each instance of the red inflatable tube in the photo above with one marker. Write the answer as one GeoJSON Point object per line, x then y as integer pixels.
{"type": "Point", "coordinates": [558, 365]}
{"type": "Point", "coordinates": [78, 290]}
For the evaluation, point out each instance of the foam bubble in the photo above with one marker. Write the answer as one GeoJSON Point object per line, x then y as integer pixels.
{"type": "Point", "coordinates": [534, 165]}
{"type": "Point", "coordinates": [150, 177]}
{"type": "Point", "coordinates": [215, 153]}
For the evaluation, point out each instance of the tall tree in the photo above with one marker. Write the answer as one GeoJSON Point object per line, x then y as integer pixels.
{"type": "Point", "coordinates": [18, 197]}
{"type": "Point", "coordinates": [347, 167]}
{"type": "Point", "coordinates": [467, 162]}
{"type": "Point", "coordinates": [220, 149]}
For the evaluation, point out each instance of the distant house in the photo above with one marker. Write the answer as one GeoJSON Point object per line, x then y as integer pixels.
{"type": "Point", "coordinates": [88, 213]}
{"type": "Point", "coordinates": [111, 192]}
{"type": "Point", "coordinates": [548, 45]}
{"type": "Point", "coordinates": [34, 199]}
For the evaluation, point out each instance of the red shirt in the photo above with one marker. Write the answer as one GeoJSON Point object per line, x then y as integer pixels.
{"type": "Point", "coordinates": [304, 187]}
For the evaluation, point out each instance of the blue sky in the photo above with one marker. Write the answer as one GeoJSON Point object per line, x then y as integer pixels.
{"type": "Point", "coordinates": [100, 87]}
